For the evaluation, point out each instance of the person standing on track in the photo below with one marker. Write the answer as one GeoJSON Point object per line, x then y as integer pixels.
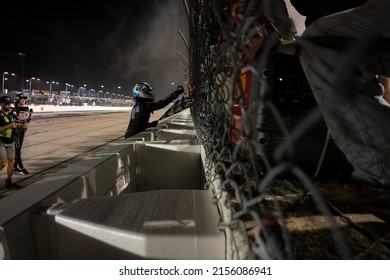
{"type": "Point", "coordinates": [7, 145]}
{"type": "Point", "coordinates": [23, 115]}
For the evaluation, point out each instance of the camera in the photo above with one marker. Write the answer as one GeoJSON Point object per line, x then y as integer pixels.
{"type": "Point", "coordinates": [22, 117]}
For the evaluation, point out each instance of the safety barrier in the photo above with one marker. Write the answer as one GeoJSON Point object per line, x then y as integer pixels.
{"type": "Point", "coordinates": [142, 197]}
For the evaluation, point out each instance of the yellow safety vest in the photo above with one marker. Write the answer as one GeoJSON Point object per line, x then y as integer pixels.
{"type": "Point", "coordinates": [8, 132]}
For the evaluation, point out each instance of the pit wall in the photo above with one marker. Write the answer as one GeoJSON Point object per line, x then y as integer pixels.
{"type": "Point", "coordinates": [151, 187]}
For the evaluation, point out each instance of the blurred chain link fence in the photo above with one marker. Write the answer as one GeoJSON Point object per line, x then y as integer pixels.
{"type": "Point", "coordinates": [264, 139]}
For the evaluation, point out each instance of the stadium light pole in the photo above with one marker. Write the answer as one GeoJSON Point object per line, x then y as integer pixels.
{"type": "Point", "coordinates": [2, 85]}
{"type": "Point", "coordinates": [23, 56]}
{"type": "Point", "coordinates": [50, 83]}
{"type": "Point", "coordinates": [5, 73]}
{"type": "Point", "coordinates": [32, 78]}
{"type": "Point", "coordinates": [66, 86]}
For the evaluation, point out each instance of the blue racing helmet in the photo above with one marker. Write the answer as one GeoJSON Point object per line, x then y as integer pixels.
{"type": "Point", "coordinates": [143, 90]}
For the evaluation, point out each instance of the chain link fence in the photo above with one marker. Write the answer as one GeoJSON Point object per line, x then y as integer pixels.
{"type": "Point", "coordinates": [263, 136]}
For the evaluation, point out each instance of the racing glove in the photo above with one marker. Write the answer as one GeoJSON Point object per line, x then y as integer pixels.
{"type": "Point", "coordinates": [178, 91]}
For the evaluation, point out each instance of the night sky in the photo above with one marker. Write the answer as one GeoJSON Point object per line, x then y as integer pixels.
{"type": "Point", "coordinates": [110, 43]}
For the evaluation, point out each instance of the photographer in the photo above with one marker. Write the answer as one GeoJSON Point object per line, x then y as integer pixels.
{"type": "Point", "coordinates": [7, 145]}
{"type": "Point", "coordinates": [22, 115]}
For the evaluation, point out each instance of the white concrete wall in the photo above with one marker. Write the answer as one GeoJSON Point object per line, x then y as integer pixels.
{"type": "Point", "coordinates": [33, 222]}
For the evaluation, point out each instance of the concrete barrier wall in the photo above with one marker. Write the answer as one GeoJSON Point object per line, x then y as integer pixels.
{"type": "Point", "coordinates": [162, 224]}
{"type": "Point", "coordinates": [170, 165]}
{"type": "Point", "coordinates": [106, 172]}
{"type": "Point", "coordinates": [142, 163]}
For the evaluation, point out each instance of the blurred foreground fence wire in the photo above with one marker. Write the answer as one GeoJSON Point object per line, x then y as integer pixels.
{"type": "Point", "coordinates": [264, 138]}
